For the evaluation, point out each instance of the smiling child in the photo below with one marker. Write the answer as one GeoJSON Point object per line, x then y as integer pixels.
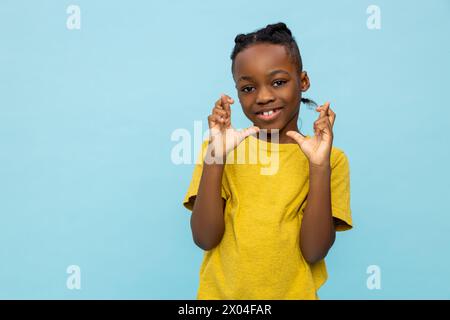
{"type": "Point", "coordinates": [265, 236]}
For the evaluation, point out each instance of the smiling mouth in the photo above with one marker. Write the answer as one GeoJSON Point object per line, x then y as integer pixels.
{"type": "Point", "coordinates": [269, 115]}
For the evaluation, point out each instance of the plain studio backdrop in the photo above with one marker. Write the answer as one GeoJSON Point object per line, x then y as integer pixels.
{"type": "Point", "coordinates": [92, 91]}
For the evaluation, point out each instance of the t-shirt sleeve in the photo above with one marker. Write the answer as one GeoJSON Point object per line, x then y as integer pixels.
{"type": "Point", "coordinates": [340, 191]}
{"type": "Point", "coordinates": [188, 201]}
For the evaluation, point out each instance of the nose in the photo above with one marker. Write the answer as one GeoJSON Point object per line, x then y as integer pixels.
{"type": "Point", "coordinates": [264, 96]}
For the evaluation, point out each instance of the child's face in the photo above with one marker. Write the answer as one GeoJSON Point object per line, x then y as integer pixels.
{"type": "Point", "coordinates": [266, 78]}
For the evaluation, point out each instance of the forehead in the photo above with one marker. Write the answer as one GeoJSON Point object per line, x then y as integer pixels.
{"type": "Point", "coordinates": [260, 58]}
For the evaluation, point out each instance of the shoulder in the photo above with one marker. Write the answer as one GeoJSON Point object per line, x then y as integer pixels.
{"type": "Point", "coordinates": [338, 158]}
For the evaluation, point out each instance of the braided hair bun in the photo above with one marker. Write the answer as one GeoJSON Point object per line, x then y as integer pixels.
{"type": "Point", "coordinates": [278, 27]}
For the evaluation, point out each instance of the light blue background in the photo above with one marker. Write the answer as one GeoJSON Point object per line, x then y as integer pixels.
{"type": "Point", "coordinates": [86, 117]}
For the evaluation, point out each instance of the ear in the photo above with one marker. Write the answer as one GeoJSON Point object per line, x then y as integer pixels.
{"type": "Point", "coordinates": [304, 81]}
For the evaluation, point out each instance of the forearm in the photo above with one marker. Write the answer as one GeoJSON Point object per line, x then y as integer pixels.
{"type": "Point", "coordinates": [317, 233]}
{"type": "Point", "coordinates": [207, 219]}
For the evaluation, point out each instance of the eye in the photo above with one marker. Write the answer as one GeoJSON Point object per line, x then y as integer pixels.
{"type": "Point", "coordinates": [247, 89]}
{"type": "Point", "coordinates": [279, 83]}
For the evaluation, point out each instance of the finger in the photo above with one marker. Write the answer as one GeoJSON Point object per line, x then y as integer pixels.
{"type": "Point", "coordinates": [223, 100]}
{"type": "Point", "coordinates": [322, 120]}
{"type": "Point", "coordinates": [227, 122]}
{"type": "Point", "coordinates": [220, 112]}
{"type": "Point", "coordinates": [218, 104]}
{"type": "Point", "coordinates": [226, 102]}
{"type": "Point", "coordinates": [249, 131]}
{"type": "Point", "coordinates": [296, 136]}
{"type": "Point", "coordinates": [323, 126]}
{"type": "Point", "coordinates": [331, 117]}
{"type": "Point", "coordinates": [324, 106]}
{"type": "Point", "coordinates": [211, 121]}
{"type": "Point", "coordinates": [323, 109]}
{"type": "Point", "coordinates": [228, 98]}
{"type": "Point", "coordinates": [219, 119]}
{"type": "Point", "coordinates": [330, 114]}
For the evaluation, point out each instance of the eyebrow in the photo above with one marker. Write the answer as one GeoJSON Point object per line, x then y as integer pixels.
{"type": "Point", "coordinates": [271, 73]}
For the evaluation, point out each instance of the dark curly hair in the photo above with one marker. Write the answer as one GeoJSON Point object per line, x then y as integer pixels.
{"type": "Point", "coordinates": [277, 33]}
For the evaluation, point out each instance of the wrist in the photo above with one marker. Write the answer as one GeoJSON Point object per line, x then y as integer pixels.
{"type": "Point", "coordinates": [320, 170]}
{"type": "Point", "coordinates": [323, 166]}
{"type": "Point", "coordinates": [213, 166]}
{"type": "Point", "coordinates": [214, 156]}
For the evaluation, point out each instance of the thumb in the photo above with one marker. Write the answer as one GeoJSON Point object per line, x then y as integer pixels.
{"type": "Point", "coordinates": [246, 132]}
{"type": "Point", "coordinates": [296, 136]}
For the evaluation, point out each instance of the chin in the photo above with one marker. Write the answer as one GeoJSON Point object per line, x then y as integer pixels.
{"type": "Point", "coordinates": [269, 126]}
{"type": "Point", "coordinates": [271, 129]}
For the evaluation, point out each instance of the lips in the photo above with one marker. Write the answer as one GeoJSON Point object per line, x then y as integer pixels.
{"type": "Point", "coordinates": [269, 114]}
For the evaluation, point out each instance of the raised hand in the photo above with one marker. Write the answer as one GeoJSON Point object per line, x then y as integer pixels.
{"type": "Point", "coordinates": [223, 138]}
{"type": "Point", "coordinates": [318, 148]}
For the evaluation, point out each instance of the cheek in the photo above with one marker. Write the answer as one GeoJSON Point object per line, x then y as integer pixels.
{"type": "Point", "coordinates": [245, 101]}
{"type": "Point", "coordinates": [247, 111]}
{"type": "Point", "coordinates": [290, 95]}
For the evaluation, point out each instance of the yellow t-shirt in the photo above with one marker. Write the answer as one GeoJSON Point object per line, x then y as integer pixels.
{"type": "Point", "coordinates": [265, 186]}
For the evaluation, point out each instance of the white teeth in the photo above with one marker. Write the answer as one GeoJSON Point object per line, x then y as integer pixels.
{"type": "Point", "coordinates": [268, 113]}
